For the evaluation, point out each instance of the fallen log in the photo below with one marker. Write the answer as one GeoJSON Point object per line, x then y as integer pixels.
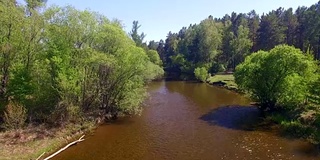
{"type": "Point", "coordinates": [64, 148]}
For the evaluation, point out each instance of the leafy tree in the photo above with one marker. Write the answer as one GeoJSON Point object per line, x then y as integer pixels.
{"type": "Point", "coordinates": [280, 77]}
{"type": "Point", "coordinates": [11, 22]}
{"type": "Point", "coordinates": [154, 57]}
{"type": "Point", "coordinates": [228, 35]}
{"type": "Point", "coordinates": [240, 46]}
{"type": "Point", "coordinates": [313, 97]}
{"type": "Point", "coordinates": [210, 41]}
{"type": "Point", "coordinates": [181, 64]}
{"type": "Point", "coordinates": [201, 74]}
{"type": "Point", "coordinates": [170, 49]}
{"type": "Point", "coordinates": [195, 46]}
{"type": "Point", "coordinates": [61, 64]}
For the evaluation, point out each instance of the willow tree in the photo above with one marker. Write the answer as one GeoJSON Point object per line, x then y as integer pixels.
{"type": "Point", "coordinates": [63, 63]}
{"type": "Point", "coordinates": [279, 78]}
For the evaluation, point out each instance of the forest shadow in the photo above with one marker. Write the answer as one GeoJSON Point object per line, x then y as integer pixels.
{"type": "Point", "coordinates": [234, 117]}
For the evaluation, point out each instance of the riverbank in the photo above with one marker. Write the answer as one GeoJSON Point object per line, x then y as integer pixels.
{"type": "Point", "coordinates": [299, 123]}
{"type": "Point", "coordinates": [223, 80]}
{"type": "Point", "coordinates": [32, 141]}
{"type": "Point", "coordinates": [199, 120]}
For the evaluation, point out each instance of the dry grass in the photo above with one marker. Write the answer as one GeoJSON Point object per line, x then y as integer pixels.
{"type": "Point", "coordinates": [32, 141]}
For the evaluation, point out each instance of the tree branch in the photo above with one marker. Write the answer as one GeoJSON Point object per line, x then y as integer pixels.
{"type": "Point", "coordinates": [64, 148]}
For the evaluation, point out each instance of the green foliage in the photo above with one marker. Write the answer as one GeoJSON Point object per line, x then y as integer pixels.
{"type": "Point", "coordinates": [299, 125]}
{"type": "Point", "coordinates": [193, 47]}
{"type": "Point", "coordinates": [314, 95]}
{"type": "Point", "coordinates": [240, 46]}
{"type": "Point", "coordinates": [226, 41]}
{"type": "Point", "coordinates": [210, 39]}
{"type": "Point", "coordinates": [21, 86]}
{"type": "Point", "coordinates": [280, 77]}
{"type": "Point", "coordinates": [61, 64]}
{"type": "Point", "coordinates": [154, 57]}
{"type": "Point", "coordinates": [154, 71]}
{"type": "Point", "coordinates": [201, 74]}
{"type": "Point", "coordinates": [296, 129]}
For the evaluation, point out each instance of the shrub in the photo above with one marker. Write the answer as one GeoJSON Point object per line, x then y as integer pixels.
{"type": "Point", "coordinates": [15, 116]}
{"type": "Point", "coordinates": [201, 74]}
{"type": "Point", "coordinates": [280, 77]}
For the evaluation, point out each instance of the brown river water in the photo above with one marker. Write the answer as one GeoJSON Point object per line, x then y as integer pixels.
{"type": "Point", "coordinates": [185, 120]}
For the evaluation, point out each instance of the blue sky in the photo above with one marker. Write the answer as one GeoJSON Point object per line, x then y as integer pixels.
{"type": "Point", "coordinates": [158, 17]}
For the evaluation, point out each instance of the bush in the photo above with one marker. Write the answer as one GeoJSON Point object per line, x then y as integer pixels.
{"type": "Point", "coordinates": [154, 57]}
{"type": "Point", "coordinates": [15, 116]}
{"type": "Point", "coordinates": [201, 74]}
{"type": "Point", "coordinates": [280, 77]}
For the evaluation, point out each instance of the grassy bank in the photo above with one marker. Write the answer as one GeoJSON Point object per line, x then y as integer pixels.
{"type": "Point", "coordinates": [32, 141]}
{"type": "Point", "coordinates": [224, 80]}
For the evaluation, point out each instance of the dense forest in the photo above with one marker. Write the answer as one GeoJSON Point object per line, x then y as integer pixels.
{"type": "Point", "coordinates": [61, 65]}
{"type": "Point", "coordinates": [220, 44]}
{"type": "Point", "coordinates": [274, 58]}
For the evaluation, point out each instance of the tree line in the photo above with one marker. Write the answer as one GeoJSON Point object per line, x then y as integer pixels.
{"type": "Point", "coordinates": [60, 65]}
{"type": "Point", "coordinates": [274, 57]}
{"type": "Point", "coordinates": [220, 44]}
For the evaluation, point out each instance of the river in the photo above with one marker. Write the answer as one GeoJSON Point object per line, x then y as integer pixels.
{"type": "Point", "coordinates": [185, 120]}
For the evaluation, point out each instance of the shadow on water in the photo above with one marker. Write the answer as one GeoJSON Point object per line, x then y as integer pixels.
{"type": "Point", "coordinates": [234, 117]}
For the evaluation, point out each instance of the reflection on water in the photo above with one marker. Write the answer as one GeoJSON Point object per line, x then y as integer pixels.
{"type": "Point", "coordinates": [184, 120]}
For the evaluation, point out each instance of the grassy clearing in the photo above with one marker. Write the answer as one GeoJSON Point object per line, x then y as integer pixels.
{"type": "Point", "coordinates": [32, 141]}
{"type": "Point", "coordinates": [225, 80]}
